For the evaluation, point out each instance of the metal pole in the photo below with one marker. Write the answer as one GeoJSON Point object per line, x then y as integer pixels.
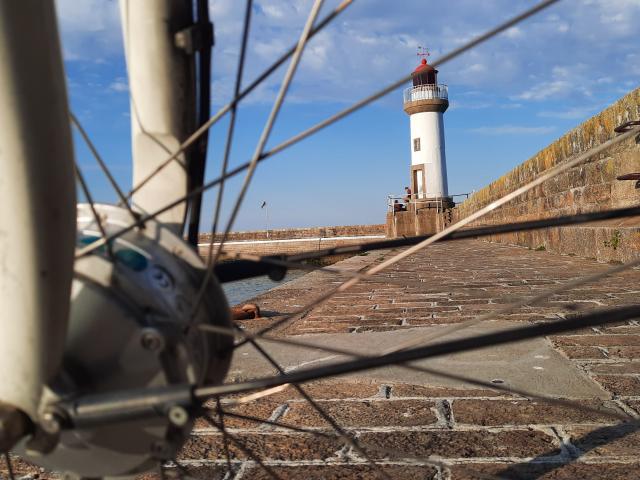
{"type": "Point", "coordinates": [266, 212]}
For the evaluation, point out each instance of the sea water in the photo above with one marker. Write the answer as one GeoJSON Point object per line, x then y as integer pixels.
{"type": "Point", "coordinates": [242, 290]}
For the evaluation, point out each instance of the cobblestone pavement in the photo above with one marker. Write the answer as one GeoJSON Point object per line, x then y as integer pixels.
{"type": "Point", "coordinates": [468, 430]}
{"type": "Point", "coordinates": [418, 431]}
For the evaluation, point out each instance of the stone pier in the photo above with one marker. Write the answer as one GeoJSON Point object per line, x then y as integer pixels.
{"type": "Point", "coordinates": [419, 426]}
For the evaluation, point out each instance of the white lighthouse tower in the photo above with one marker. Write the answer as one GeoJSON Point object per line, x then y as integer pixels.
{"type": "Point", "coordinates": [425, 103]}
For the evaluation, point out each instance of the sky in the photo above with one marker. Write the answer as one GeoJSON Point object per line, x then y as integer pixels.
{"type": "Point", "coordinates": [509, 98]}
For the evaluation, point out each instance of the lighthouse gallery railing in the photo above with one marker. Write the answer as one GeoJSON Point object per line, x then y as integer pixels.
{"type": "Point", "coordinates": [426, 92]}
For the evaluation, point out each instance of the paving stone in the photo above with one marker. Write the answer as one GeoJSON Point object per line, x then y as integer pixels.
{"type": "Point", "coordinates": [548, 471]}
{"type": "Point", "coordinates": [619, 385]}
{"type": "Point", "coordinates": [193, 472]}
{"type": "Point", "coordinates": [333, 389]}
{"type": "Point", "coordinates": [22, 468]}
{"type": "Point", "coordinates": [624, 329]}
{"type": "Point", "coordinates": [344, 472]}
{"type": "Point", "coordinates": [439, 319]}
{"type": "Point", "coordinates": [612, 440]}
{"type": "Point", "coordinates": [624, 352]}
{"type": "Point", "coordinates": [377, 413]}
{"type": "Point", "coordinates": [583, 352]}
{"type": "Point", "coordinates": [634, 404]}
{"type": "Point", "coordinates": [459, 444]}
{"type": "Point", "coordinates": [449, 284]}
{"type": "Point", "coordinates": [332, 318]}
{"type": "Point", "coordinates": [408, 390]}
{"type": "Point", "coordinates": [599, 340]}
{"type": "Point", "coordinates": [268, 446]}
{"type": "Point", "coordinates": [615, 368]}
{"type": "Point", "coordinates": [262, 408]}
{"type": "Point", "coordinates": [523, 412]}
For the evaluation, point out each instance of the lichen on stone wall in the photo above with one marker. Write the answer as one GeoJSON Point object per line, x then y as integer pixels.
{"type": "Point", "coordinates": [595, 131]}
{"type": "Point", "coordinates": [586, 187]}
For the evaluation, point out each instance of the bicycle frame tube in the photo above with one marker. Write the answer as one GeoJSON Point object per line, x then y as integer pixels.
{"type": "Point", "coordinates": [37, 202]}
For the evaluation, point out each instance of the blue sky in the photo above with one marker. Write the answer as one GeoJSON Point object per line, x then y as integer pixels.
{"type": "Point", "coordinates": [509, 98]}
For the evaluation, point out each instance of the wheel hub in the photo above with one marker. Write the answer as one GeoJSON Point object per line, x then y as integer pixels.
{"type": "Point", "coordinates": [133, 325]}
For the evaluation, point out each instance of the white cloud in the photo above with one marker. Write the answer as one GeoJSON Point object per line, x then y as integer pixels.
{"type": "Point", "coordinates": [574, 113]}
{"type": "Point", "coordinates": [545, 90]}
{"type": "Point", "coordinates": [514, 32]}
{"type": "Point", "coordinates": [90, 29]}
{"type": "Point", "coordinates": [566, 80]}
{"type": "Point", "coordinates": [512, 130]}
{"type": "Point", "coordinates": [462, 105]}
{"type": "Point", "coordinates": [119, 85]}
{"type": "Point", "coordinates": [373, 43]}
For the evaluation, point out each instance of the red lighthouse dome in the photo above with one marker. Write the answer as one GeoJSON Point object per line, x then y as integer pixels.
{"type": "Point", "coordinates": [424, 74]}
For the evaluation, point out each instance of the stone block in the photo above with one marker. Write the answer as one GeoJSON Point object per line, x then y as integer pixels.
{"type": "Point", "coordinates": [615, 368]}
{"type": "Point", "coordinates": [525, 412]}
{"type": "Point", "coordinates": [598, 340]}
{"type": "Point", "coordinates": [569, 470]}
{"type": "Point", "coordinates": [371, 413]}
{"type": "Point", "coordinates": [362, 471]}
{"type": "Point", "coordinates": [606, 441]}
{"type": "Point", "coordinates": [619, 385]}
{"type": "Point", "coordinates": [266, 446]}
{"type": "Point", "coordinates": [459, 444]}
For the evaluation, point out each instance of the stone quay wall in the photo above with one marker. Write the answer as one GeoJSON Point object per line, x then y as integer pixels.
{"type": "Point", "coordinates": [293, 240]}
{"type": "Point", "coordinates": [590, 186]}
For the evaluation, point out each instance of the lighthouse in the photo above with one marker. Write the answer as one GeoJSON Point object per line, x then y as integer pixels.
{"type": "Point", "coordinates": [425, 102]}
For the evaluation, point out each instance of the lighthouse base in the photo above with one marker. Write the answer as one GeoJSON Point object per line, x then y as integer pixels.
{"type": "Point", "coordinates": [419, 219]}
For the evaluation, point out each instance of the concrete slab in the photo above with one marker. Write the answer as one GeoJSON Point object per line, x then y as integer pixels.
{"type": "Point", "coordinates": [531, 365]}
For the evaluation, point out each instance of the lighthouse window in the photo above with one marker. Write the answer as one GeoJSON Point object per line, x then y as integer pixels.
{"type": "Point", "coordinates": [416, 144]}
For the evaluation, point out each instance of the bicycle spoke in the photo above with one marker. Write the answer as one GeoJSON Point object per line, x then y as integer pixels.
{"type": "Point", "coordinates": [449, 56]}
{"type": "Point", "coordinates": [225, 160]}
{"type": "Point", "coordinates": [261, 78]}
{"type": "Point", "coordinates": [266, 132]}
{"type": "Point", "coordinates": [102, 164]}
{"type": "Point", "coordinates": [258, 395]}
{"type": "Point", "coordinates": [7, 461]}
{"type": "Point", "coordinates": [221, 414]}
{"type": "Point", "coordinates": [232, 120]}
{"type": "Point", "coordinates": [278, 424]}
{"type": "Point", "coordinates": [255, 265]}
{"type": "Point", "coordinates": [325, 416]}
{"type": "Point", "coordinates": [96, 215]}
{"type": "Point", "coordinates": [243, 447]}
{"type": "Point", "coordinates": [603, 317]}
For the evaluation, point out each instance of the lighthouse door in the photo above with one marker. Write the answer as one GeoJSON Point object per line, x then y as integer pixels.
{"type": "Point", "coordinates": [417, 182]}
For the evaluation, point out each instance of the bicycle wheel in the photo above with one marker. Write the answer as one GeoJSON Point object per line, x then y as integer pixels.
{"type": "Point", "coordinates": [129, 405]}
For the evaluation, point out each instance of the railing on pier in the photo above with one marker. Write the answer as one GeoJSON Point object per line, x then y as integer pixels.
{"type": "Point", "coordinates": [426, 92]}
{"type": "Point", "coordinates": [404, 202]}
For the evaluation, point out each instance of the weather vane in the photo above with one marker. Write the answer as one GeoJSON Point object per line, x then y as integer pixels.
{"type": "Point", "coordinates": [423, 52]}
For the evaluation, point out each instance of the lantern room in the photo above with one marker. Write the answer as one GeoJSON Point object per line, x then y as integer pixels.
{"type": "Point", "coordinates": [424, 74]}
